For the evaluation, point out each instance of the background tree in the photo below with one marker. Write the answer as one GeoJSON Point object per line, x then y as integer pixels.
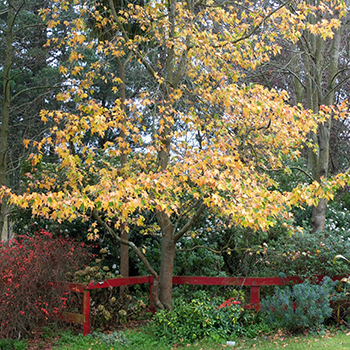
{"type": "Point", "coordinates": [5, 105]}
{"type": "Point", "coordinates": [314, 72]}
{"type": "Point", "coordinates": [30, 78]}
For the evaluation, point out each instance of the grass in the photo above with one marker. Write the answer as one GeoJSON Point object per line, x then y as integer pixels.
{"type": "Point", "coordinates": [337, 340]}
{"type": "Point", "coordinates": [142, 340]}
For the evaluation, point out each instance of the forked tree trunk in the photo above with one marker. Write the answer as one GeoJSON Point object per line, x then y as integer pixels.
{"type": "Point", "coordinates": [322, 166]}
{"type": "Point", "coordinates": [319, 91]}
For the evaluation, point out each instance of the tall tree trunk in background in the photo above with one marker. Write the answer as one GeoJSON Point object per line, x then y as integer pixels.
{"type": "Point", "coordinates": [5, 116]}
{"type": "Point", "coordinates": [319, 91]}
{"type": "Point", "coordinates": [322, 162]}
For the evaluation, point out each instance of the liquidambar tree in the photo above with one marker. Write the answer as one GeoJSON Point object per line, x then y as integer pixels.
{"type": "Point", "coordinates": [194, 138]}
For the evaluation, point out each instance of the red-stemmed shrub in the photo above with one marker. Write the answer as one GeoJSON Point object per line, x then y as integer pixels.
{"type": "Point", "coordinates": [29, 266]}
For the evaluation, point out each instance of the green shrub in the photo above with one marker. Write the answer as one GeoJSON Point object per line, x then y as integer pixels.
{"type": "Point", "coordinates": [302, 254]}
{"type": "Point", "coordinates": [303, 306]}
{"type": "Point", "coordinates": [197, 318]}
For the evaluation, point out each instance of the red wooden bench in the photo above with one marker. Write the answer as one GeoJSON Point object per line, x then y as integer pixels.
{"type": "Point", "coordinates": [253, 282]}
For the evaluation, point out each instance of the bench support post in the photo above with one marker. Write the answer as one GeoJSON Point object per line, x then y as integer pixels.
{"type": "Point", "coordinates": [86, 312]}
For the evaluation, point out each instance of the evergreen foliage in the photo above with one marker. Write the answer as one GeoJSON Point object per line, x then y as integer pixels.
{"type": "Point", "coordinates": [303, 306]}
{"type": "Point", "coordinates": [194, 319]}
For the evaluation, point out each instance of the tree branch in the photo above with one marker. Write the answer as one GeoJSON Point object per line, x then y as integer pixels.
{"type": "Point", "coordinates": [336, 86]}
{"type": "Point", "coordinates": [34, 88]}
{"type": "Point", "coordinates": [127, 39]}
{"type": "Point", "coordinates": [288, 71]}
{"type": "Point", "coordinates": [257, 26]}
{"type": "Point", "coordinates": [293, 168]}
{"type": "Point", "coordinates": [182, 63]}
{"type": "Point", "coordinates": [137, 251]}
{"type": "Point", "coordinates": [16, 14]}
{"type": "Point", "coordinates": [189, 223]}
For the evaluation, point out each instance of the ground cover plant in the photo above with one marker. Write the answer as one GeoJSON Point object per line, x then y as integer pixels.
{"type": "Point", "coordinates": [29, 267]}
{"type": "Point", "coordinates": [10, 344]}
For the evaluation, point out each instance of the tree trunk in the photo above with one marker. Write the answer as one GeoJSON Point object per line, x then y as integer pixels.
{"type": "Point", "coordinates": [319, 216]}
{"type": "Point", "coordinates": [167, 260]}
{"type": "Point", "coordinates": [6, 109]}
{"type": "Point", "coordinates": [124, 249]}
{"type": "Point", "coordinates": [322, 164]}
{"type": "Point", "coordinates": [313, 50]}
{"type": "Point", "coordinates": [173, 73]}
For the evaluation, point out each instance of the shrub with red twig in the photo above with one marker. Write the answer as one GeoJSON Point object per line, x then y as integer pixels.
{"type": "Point", "coordinates": [29, 266]}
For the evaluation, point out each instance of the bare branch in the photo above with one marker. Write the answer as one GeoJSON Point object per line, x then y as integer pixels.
{"type": "Point", "coordinates": [293, 168]}
{"type": "Point", "coordinates": [34, 88]}
{"type": "Point", "coordinates": [257, 26]}
{"type": "Point", "coordinates": [189, 223]}
{"type": "Point", "coordinates": [336, 86]}
{"type": "Point", "coordinates": [288, 71]}
{"type": "Point", "coordinates": [137, 251]}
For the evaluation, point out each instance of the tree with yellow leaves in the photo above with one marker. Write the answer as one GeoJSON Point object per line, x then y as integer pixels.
{"type": "Point", "coordinates": [211, 138]}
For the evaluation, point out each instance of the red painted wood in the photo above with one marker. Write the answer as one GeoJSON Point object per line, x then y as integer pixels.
{"type": "Point", "coordinates": [236, 281]}
{"type": "Point", "coordinates": [76, 287]}
{"type": "Point", "coordinates": [86, 312]}
{"type": "Point", "coordinates": [242, 281]}
{"type": "Point", "coordinates": [253, 282]}
{"type": "Point", "coordinates": [255, 307]}
{"type": "Point", "coordinates": [117, 282]}
{"type": "Point", "coordinates": [255, 295]}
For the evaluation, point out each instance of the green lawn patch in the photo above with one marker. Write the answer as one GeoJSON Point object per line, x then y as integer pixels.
{"type": "Point", "coordinates": [337, 341]}
{"type": "Point", "coordinates": [143, 340]}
